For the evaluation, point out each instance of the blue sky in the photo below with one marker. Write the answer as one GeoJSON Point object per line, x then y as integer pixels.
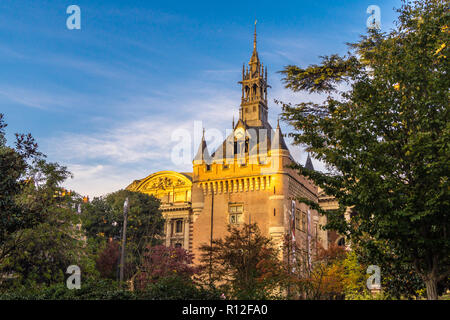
{"type": "Point", "coordinates": [105, 100]}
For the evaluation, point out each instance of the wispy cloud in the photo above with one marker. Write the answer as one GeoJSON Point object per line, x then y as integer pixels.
{"type": "Point", "coordinates": [113, 156]}
{"type": "Point", "coordinates": [6, 51]}
{"type": "Point", "coordinates": [52, 99]}
{"type": "Point", "coordinates": [33, 98]}
{"type": "Point", "coordinates": [127, 143]}
{"type": "Point", "coordinates": [96, 180]}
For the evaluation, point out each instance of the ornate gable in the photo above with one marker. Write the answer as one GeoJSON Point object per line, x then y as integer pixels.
{"type": "Point", "coordinates": [169, 186]}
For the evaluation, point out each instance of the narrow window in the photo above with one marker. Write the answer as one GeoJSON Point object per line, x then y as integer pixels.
{"type": "Point", "coordinates": [235, 213]}
{"type": "Point", "coordinates": [179, 226]}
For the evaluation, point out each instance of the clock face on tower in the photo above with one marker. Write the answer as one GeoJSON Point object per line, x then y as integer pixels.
{"type": "Point", "coordinates": [239, 134]}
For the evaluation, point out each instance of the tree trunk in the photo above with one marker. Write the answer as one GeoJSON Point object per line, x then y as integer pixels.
{"type": "Point", "coordinates": [431, 284]}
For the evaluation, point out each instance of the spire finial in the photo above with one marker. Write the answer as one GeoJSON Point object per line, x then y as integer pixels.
{"type": "Point", "coordinates": [203, 133]}
{"type": "Point", "coordinates": [254, 39]}
{"type": "Point", "coordinates": [278, 122]}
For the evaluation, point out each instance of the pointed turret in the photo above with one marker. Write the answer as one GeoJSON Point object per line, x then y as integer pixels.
{"type": "Point", "coordinates": [202, 155]}
{"type": "Point", "coordinates": [278, 142]}
{"type": "Point", "coordinates": [308, 164]}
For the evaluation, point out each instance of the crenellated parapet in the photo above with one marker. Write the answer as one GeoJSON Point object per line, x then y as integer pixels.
{"type": "Point", "coordinates": [236, 185]}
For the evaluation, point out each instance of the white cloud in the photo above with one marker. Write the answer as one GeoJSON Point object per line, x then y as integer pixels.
{"type": "Point", "coordinates": [45, 99]}
{"type": "Point", "coordinates": [97, 180]}
{"type": "Point", "coordinates": [131, 142]}
{"type": "Point", "coordinates": [30, 98]}
{"type": "Point", "coordinates": [108, 159]}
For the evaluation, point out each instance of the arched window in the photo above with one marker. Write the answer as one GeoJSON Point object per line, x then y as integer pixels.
{"type": "Point", "coordinates": [341, 242]}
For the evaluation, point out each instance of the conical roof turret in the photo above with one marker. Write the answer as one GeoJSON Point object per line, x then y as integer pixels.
{"type": "Point", "coordinates": [202, 153]}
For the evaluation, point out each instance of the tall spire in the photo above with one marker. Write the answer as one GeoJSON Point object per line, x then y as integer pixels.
{"type": "Point", "coordinates": [254, 60]}
{"type": "Point", "coordinates": [254, 110]}
{"type": "Point", "coordinates": [254, 37]}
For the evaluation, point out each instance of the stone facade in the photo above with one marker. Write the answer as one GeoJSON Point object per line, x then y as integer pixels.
{"type": "Point", "coordinates": [330, 203]}
{"type": "Point", "coordinates": [174, 190]}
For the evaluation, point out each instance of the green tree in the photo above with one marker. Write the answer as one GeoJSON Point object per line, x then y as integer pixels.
{"type": "Point", "coordinates": [39, 237]}
{"type": "Point", "coordinates": [399, 280]}
{"type": "Point", "coordinates": [103, 221]}
{"type": "Point", "coordinates": [333, 273]}
{"type": "Point", "coordinates": [15, 164]}
{"type": "Point", "coordinates": [385, 136]}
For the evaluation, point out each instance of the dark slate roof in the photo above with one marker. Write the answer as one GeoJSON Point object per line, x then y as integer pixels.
{"type": "Point", "coordinates": [274, 138]}
{"type": "Point", "coordinates": [278, 140]}
{"type": "Point", "coordinates": [202, 153]}
{"type": "Point", "coordinates": [187, 175]}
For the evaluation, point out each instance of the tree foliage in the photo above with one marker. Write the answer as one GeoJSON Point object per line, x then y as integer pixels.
{"type": "Point", "coordinates": [107, 262]}
{"type": "Point", "coordinates": [385, 138]}
{"type": "Point", "coordinates": [103, 221]}
{"type": "Point", "coordinates": [170, 288]}
{"type": "Point", "coordinates": [39, 227]}
{"type": "Point", "coordinates": [238, 263]}
{"type": "Point", "coordinates": [333, 274]}
{"type": "Point", "coordinates": [15, 166]}
{"type": "Point", "coordinates": [163, 262]}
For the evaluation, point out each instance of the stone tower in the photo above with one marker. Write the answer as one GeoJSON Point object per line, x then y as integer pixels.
{"type": "Point", "coordinates": [247, 179]}
{"type": "Point", "coordinates": [254, 109]}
